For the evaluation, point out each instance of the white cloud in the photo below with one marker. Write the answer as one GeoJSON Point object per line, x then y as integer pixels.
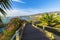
{"type": "Point", "coordinates": [30, 11]}
{"type": "Point", "coordinates": [20, 1]}
{"type": "Point", "coordinates": [22, 12]}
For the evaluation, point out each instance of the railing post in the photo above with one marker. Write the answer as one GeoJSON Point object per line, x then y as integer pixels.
{"type": "Point", "coordinates": [17, 35]}
{"type": "Point", "coordinates": [43, 28]}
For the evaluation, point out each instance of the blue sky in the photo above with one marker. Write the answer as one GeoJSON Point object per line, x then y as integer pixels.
{"type": "Point", "coordinates": [29, 7]}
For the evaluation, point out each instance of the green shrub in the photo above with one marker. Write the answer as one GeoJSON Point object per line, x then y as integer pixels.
{"type": "Point", "coordinates": [6, 32]}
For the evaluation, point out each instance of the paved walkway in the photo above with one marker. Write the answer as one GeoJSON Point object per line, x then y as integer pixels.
{"type": "Point", "coordinates": [30, 33]}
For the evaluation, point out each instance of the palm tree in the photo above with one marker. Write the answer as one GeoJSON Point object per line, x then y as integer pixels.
{"type": "Point", "coordinates": [50, 20]}
{"type": "Point", "coordinates": [4, 5]}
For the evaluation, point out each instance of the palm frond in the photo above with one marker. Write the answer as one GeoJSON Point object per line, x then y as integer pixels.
{"type": "Point", "coordinates": [5, 4]}
{"type": "Point", "coordinates": [2, 11]}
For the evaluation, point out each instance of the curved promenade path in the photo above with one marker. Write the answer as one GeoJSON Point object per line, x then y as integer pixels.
{"type": "Point", "coordinates": [30, 33]}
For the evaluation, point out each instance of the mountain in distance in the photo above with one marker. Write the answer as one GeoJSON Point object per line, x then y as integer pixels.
{"type": "Point", "coordinates": [38, 14]}
{"type": "Point", "coordinates": [58, 12]}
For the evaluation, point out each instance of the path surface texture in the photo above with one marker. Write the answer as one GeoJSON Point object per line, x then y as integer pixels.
{"type": "Point", "coordinates": [31, 33]}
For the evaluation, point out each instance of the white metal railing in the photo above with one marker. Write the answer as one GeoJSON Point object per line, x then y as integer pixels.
{"type": "Point", "coordinates": [51, 27]}
{"type": "Point", "coordinates": [47, 27]}
{"type": "Point", "coordinates": [52, 36]}
{"type": "Point", "coordinates": [16, 35]}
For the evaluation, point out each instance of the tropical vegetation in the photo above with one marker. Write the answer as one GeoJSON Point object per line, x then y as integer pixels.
{"type": "Point", "coordinates": [51, 20]}
{"type": "Point", "coordinates": [12, 26]}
